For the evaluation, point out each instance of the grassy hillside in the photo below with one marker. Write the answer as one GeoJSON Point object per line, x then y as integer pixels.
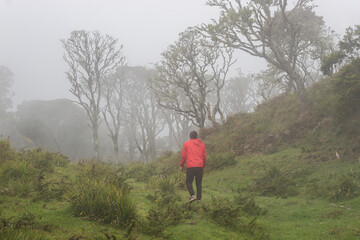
{"type": "Point", "coordinates": [271, 174]}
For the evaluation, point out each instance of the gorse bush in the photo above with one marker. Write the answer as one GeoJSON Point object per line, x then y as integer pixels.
{"type": "Point", "coordinates": [348, 187]}
{"type": "Point", "coordinates": [347, 85]}
{"type": "Point", "coordinates": [102, 201]}
{"type": "Point", "coordinates": [16, 170]}
{"type": "Point", "coordinates": [43, 160]}
{"type": "Point", "coordinates": [103, 172]}
{"type": "Point", "coordinates": [178, 181]}
{"type": "Point", "coordinates": [247, 204]}
{"type": "Point", "coordinates": [140, 172]}
{"type": "Point", "coordinates": [223, 213]}
{"type": "Point", "coordinates": [25, 173]}
{"type": "Point", "coordinates": [17, 178]}
{"type": "Point", "coordinates": [6, 152]}
{"type": "Point", "coordinates": [274, 183]}
{"type": "Point", "coordinates": [220, 160]}
{"type": "Point", "coordinates": [318, 189]}
{"type": "Point", "coordinates": [22, 228]}
{"type": "Point", "coordinates": [16, 234]}
{"type": "Point", "coordinates": [167, 209]}
{"type": "Point", "coordinates": [230, 215]}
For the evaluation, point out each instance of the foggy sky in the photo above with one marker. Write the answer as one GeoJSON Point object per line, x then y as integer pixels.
{"type": "Point", "coordinates": [30, 33]}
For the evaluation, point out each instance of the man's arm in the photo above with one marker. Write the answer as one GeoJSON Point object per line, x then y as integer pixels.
{"type": "Point", "coordinates": [183, 157]}
{"type": "Point", "coordinates": [204, 156]}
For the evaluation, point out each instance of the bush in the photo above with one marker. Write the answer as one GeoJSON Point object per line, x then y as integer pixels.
{"type": "Point", "coordinates": [106, 173]}
{"type": "Point", "coordinates": [347, 187]}
{"type": "Point", "coordinates": [17, 178]}
{"type": "Point", "coordinates": [230, 215]}
{"type": "Point", "coordinates": [220, 160]}
{"type": "Point", "coordinates": [15, 234]}
{"type": "Point", "coordinates": [6, 152]}
{"type": "Point", "coordinates": [347, 85]}
{"type": "Point", "coordinates": [43, 160]}
{"type": "Point", "coordinates": [140, 172]}
{"type": "Point", "coordinates": [102, 201]}
{"type": "Point", "coordinates": [223, 213]}
{"type": "Point", "coordinates": [20, 228]}
{"type": "Point", "coordinates": [167, 210]}
{"type": "Point", "coordinates": [318, 189]}
{"type": "Point", "coordinates": [247, 204]}
{"type": "Point", "coordinates": [25, 175]}
{"type": "Point", "coordinates": [274, 183]}
{"type": "Point", "coordinates": [15, 170]}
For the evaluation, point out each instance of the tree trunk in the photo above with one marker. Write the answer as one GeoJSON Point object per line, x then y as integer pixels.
{"type": "Point", "coordinates": [116, 146]}
{"type": "Point", "coordinates": [96, 142]}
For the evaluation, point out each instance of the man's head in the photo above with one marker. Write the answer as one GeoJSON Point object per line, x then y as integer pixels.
{"type": "Point", "coordinates": [193, 135]}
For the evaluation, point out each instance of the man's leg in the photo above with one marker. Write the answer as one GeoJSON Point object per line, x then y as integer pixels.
{"type": "Point", "coordinates": [190, 173]}
{"type": "Point", "coordinates": [198, 181]}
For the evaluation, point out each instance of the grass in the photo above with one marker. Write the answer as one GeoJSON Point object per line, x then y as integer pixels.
{"type": "Point", "coordinates": [298, 217]}
{"type": "Point", "coordinates": [253, 154]}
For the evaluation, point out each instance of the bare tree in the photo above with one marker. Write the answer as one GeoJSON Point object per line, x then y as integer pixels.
{"type": "Point", "coordinates": [143, 114]}
{"type": "Point", "coordinates": [284, 37]}
{"type": "Point", "coordinates": [6, 81]}
{"type": "Point", "coordinates": [190, 71]}
{"type": "Point", "coordinates": [113, 92]}
{"type": "Point", "coordinates": [179, 128]}
{"type": "Point", "coordinates": [236, 95]}
{"type": "Point", "coordinates": [90, 57]}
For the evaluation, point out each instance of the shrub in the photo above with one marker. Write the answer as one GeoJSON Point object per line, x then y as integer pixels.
{"type": "Point", "coordinates": [154, 224]}
{"type": "Point", "coordinates": [106, 173]}
{"type": "Point", "coordinates": [274, 183]}
{"type": "Point", "coordinates": [6, 152]}
{"type": "Point", "coordinates": [17, 178]}
{"type": "Point", "coordinates": [20, 228]}
{"type": "Point", "coordinates": [15, 234]}
{"type": "Point", "coordinates": [15, 170]}
{"type": "Point", "coordinates": [347, 187]}
{"type": "Point", "coordinates": [347, 85]}
{"type": "Point", "coordinates": [103, 202]}
{"type": "Point", "coordinates": [247, 204]}
{"type": "Point", "coordinates": [230, 215]}
{"type": "Point", "coordinates": [43, 160]}
{"type": "Point", "coordinates": [220, 160]}
{"type": "Point", "coordinates": [223, 213]}
{"type": "Point", "coordinates": [140, 172]}
{"type": "Point", "coordinates": [318, 189]}
{"type": "Point", "coordinates": [166, 211]}
{"type": "Point", "coordinates": [178, 181]}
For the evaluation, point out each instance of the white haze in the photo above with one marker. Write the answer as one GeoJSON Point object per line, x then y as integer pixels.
{"type": "Point", "coordinates": [30, 33]}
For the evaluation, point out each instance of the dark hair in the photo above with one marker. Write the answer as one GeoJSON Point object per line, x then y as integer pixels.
{"type": "Point", "coordinates": [193, 135]}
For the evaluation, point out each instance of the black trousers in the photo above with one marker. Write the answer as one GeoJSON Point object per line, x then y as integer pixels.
{"type": "Point", "coordinates": [196, 172]}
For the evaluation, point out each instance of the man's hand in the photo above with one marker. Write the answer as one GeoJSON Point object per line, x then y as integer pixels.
{"type": "Point", "coordinates": [181, 169]}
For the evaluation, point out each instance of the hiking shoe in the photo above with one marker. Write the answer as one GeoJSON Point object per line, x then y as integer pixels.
{"type": "Point", "coordinates": [198, 201]}
{"type": "Point", "coordinates": [192, 198]}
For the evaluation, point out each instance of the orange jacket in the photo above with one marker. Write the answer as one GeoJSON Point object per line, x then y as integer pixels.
{"type": "Point", "coordinates": [194, 154]}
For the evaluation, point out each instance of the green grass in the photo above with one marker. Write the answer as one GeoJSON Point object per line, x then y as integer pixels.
{"type": "Point", "coordinates": [277, 145]}
{"type": "Point", "coordinates": [298, 217]}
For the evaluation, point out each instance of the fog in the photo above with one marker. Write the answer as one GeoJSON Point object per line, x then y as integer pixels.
{"type": "Point", "coordinates": [30, 33]}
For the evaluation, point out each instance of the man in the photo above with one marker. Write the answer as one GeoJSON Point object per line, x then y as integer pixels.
{"type": "Point", "coordinates": [194, 154]}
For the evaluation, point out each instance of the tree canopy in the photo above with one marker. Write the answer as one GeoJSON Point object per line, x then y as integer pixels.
{"type": "Point", "coordinates": [90, 57]}
{"type": "Point", "coordinates": [286, 36]}
{"type": "Point", "coordinates": [190, 77]}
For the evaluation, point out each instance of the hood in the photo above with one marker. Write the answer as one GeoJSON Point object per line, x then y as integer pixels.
{"type": "Point", "coordinates": [197, 141]}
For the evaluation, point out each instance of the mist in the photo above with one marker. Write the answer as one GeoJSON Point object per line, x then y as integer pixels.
{"type": "Point", "coordinates": [30, 33]}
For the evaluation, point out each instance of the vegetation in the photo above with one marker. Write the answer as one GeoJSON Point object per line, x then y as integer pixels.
{"type": "Point", "coordinates": [280, 172]}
